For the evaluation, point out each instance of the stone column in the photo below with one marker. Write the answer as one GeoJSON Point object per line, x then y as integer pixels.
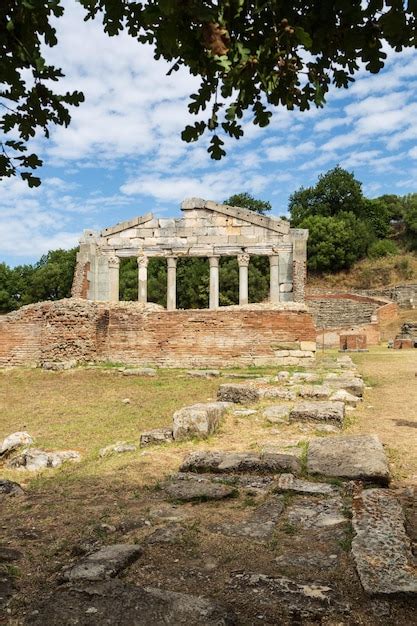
{"type": "Point", "coordinates": [274, 279]}
{"type": "Point", "coordinates": [243, 260]}
{"type": "Point", "coordinates": [172, 284]}
{"type": "Point", "coordinates": [142, 278]}
{"type": "Point", "coordinates": [214, 282]}
{"type": "Point", "coordinates": [114, 263]}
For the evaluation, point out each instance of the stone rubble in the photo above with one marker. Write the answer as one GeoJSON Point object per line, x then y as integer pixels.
{"type": "Point", "coordinates": [341, 395]}
{"type": "Point", "coordinates": [14, 441]}
{"type": "Point", "coordinates": [288, 482]}
{"type": "Point", "coordinates": [260, 524]}
{"type": "Point", "coordinates": [33, 459]}
{"type": "Point", "coordinates": [117, 448]}
{"type": "Point", "coordinates": [239, 393]}
{"type": "Point", "coordinates": [139, 371]}
{"type": "Point", "coordinates": [198, 490]}
{"type": "Point", "coordinates": [10, 488]}
{"type": "Point", "coordinates": [317, 392]}
{"type": "Point", "coordinates": [156, 436]}
{"type": "Point", "coordinates": [241, 462]}
{"type": "Point", "coordinates": [277, 413]}
{"type": "Point", "coordinates": [204, 373]}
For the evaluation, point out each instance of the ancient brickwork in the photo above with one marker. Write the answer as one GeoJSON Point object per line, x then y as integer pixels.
{"type": "Point", "coordinates": [80, 330]}
{"type": "Point", "coordinates": [404, 295]}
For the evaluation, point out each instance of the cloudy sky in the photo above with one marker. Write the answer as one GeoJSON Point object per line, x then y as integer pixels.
{"type": "Point", "coordinates": [123, 156]}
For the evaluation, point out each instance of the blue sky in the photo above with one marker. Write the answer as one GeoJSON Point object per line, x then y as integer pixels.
{"type": "Point", "coordinates": [123, 156]}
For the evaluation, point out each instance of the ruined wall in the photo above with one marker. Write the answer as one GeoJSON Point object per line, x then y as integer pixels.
{"type": "Point", "coordinates": [336, 314]}
{"type": "Point", "coordinates": [404, 295]}
{"type": "Point", "coordinates": [146, 334]}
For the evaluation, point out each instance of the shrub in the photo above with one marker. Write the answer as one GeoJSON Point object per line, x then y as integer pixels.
{"type": "Point", "coordinates": [381, 248]}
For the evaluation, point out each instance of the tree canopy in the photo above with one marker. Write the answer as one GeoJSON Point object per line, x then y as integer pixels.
{"type": "Point", "coordinates": [251, 55]}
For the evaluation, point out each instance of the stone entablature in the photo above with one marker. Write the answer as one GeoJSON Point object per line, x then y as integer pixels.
{"type": "Point", "coordinates": [207, 230]}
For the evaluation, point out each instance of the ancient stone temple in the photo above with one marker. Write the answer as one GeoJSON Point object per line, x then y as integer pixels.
{"type": "Point", "coordinates": [94, 326]}
{"type": "Point", "coordinates": [206, 230]}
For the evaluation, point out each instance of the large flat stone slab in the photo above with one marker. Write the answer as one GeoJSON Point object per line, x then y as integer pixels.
{"type": "Point", "coordinates": [104, 563]}
{"type": "Point", "coordinates": [156, 436]}
{"type": "Point", "coordinates": [355, 386]}
{"type": "Point", "coordinates": [198, 490]}
{"type": "Point", "coordinates": [197, 420]}
{"type": "Point", "coordinates": [316, 392]}
{"type": "Point", "coordinates": [319, 512]}
{"type": "Point", "coordinates": [288, 482]}
{"type": "Point", "coordinates": [354, 457]}
{"type": "Point", "coordinates": [381, 547]}
{"type": "Point", "coordinates": [321, 411]}
{"type": "Point", "coordinates": [120, 604]}
{"type": "Point", "coordinates": [250, 462]}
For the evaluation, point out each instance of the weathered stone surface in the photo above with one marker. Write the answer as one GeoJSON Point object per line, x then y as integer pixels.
{"type": "Point", "coordinates": [288, 482]}
{"type": "Point", "coordinates": [204, 373]}
{"type": "Point", "coordinates": [139, 371]}
{"type": "Point", "coordinates": [104, 563]}
{"type": "Point", "coordinates": [267, 462]}
{"type": "Point", "coordinates": [9, 554]}
{"type": "Point", "coordinates": [244, 412]}
{"type": "Point", "coordinates": [381, 548]}
{"type": "Point", "coordinates": [33, 459]}
{"type": "Point", "coordinates": [198, 490]}
{"type": "Point", "coordinates": [119, 604]}
{"type": "Point", "coordinates": [277, 413]}
{"type": "Point", "coordinates": [298, 601]}
{"type": "Point", "coordinates": [117, 448]}
{"type": "Point", "coordinates": [317, 512]}
{"type": "Point", "coordinates": [198, 420]}
{"type": "Point", "coordinates": [354, 457]}
{"type": "Point", "coordinates": [10, 488]}
{"type": "Point", "coordinates": [269, 393]}
{"type": "Point", "coordinates": [260, 524]}
{"type": "Point", "coordinates": [316, 392]}
{"type": "Point", "coordinates": [57, 366]}
{"type": "Point", "coordinates": [355, 386]}
{"type": "Point", "coordinates": [341, 395]}
{"type": "Point", "coordinates": [304, 377]}
{"type": "Point", "coordinates": [239, 393]}
{"type": "Point", "coordinates": [15, 441]}
{"type": "Point", "coordinates": [283, 375]}
{"type": "Point", "coordinates": [332, 412]}
{"type": "Point", "coordinates": [156, 436]}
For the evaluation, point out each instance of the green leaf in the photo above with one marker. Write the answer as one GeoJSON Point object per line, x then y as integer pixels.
{"type": "Point", "coordinates": [303, 37]}
{"type": "Point", "coordinates": [32, 181]}
{"type": "Point", "coordinates": [215, 149]}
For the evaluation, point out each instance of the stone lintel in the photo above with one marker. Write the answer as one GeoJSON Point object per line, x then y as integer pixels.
{"type": "Point", "coordinates": [275, 224]}
{"type": "Point", "coordinates": [136, 221]}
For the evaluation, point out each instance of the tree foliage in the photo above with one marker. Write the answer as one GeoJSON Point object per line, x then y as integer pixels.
{"type": "Point", "coordinates": [247, 201]}
{"type": "Point", "coordinates": [27, 100]}
{"type": "Point", "coordinates": [250, 55]}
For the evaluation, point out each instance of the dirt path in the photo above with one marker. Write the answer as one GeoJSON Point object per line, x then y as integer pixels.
{"type": "Point", "coordinates": [390, 407]}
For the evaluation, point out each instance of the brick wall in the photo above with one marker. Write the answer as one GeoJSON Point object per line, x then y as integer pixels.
{"type": "Point", "coordinates": [131, 333]}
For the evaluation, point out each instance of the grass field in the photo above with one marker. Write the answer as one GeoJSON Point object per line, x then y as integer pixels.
{"type": "Point", "coordinates": [82, 409]}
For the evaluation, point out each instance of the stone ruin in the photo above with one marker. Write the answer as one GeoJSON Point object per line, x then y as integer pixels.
{"type": "Point", "coordinates": [206, 230]}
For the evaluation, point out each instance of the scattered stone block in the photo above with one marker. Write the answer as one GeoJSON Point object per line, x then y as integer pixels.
{"type": "Point", "coordinates": [156, 436]}
{"type": "Point", "coordinates": [117, 448]}
{"type": "Point", "coordinates": [126, 401]}
{"type": "Point", "coordinates": [288, 482]}
{"type": "Point", "coordinates": [283, 375]}
{"type": "Point", "coordinates": [239, 393]}
{"type": "Point", "coordinates": [244, 412]}
{"type": "Point", "coordinates": [277, 413]}
{"type": "Point", "coordinates": [201, 490]}
{"type": "Point", "coordinates": [332, 412]}
{"type": "Point", "coordinates": [304, 377]}
{"type": "Point", "coordinates": [14, 441]}
{"type": "Point", "coordinates": [139, 371]}
{"type": "Point", "coordinates": [355, 386]}
{"type": "Point", "coordinates": [354, 457]}
{"type": "Point", "coordinates": [198, 420]}
{"type": "Point", "coordinates": [341, 395]}
{"type": "Point", "coordinates": [260, 524]}
{"type": "Point", "coordinates": [317, 392]}
{"type": "Point", "coordinates": [204, 373]}
{"type": "Point", "coordinates": [269, 393]}
{"type": "Point", "coordinates": [104, 563]}
{"type": "Point", "coordinates": [328, 428]}
{"type": "Point", "coordinates": [10, 488]}
{"type": "Point", "coordinates": [268, 462]}
{"type": "Point", "coordinates": [122, 603]}
{"type": "Point", "coordinates": [381, 548]}
{"type": "Point", "coordinates": [33, 459]}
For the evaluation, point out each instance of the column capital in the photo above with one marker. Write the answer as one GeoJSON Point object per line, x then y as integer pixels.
{"type": "Point", "coordinates": [142, 260]}
{"type": "Point", "coordinates": [273, 260]}
{"type": "Point", "coordinates": [214, 261]}
{"type": "Point", "coordinates": [113, 261]}
{"type": "Point", "coordinates": [172, 261]}
{"type": "Point", "coordinates": [243, 259]}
